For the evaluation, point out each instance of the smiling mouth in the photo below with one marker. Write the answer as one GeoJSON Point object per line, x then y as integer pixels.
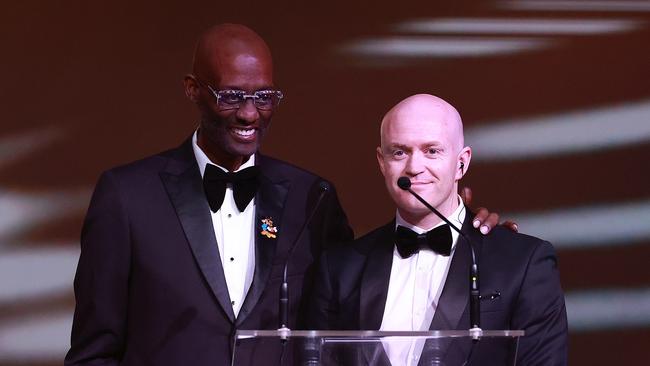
{"type": "Point", "coordinates": [244, 134]}
{"type": "Point", "coordinates": [420, 183]}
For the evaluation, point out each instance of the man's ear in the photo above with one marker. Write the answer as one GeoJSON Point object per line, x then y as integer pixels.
{"type": "Point", "coordinates": [380, 160]}
{"type": "Point", "coordinates": [464, 158]}
{"type": "Point", "coordinates": [191, 88]}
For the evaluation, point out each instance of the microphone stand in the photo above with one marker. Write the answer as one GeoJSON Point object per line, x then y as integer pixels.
{"type": "Point", "coordinates": [475, 330]}
{"type": "Point", "coordinates": [284, 329]}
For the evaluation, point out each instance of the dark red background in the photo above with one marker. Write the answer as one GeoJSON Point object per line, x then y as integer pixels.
{"type": "Point", "coordinates": [108, 76]}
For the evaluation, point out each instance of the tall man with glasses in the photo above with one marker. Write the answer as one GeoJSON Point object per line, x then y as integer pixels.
{"type": "Point", "coordinates": [181, 249]}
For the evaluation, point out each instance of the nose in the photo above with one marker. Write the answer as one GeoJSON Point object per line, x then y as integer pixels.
{"type": "Point", "coordinates": [248, 112]}
{"type": "Point", "coordinates": [414, 164]}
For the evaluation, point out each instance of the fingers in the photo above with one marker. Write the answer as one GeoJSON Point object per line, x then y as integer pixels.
{"type": "Point", "coordinates": [484, 220]}
{"type": "Point", "coordinates": [466, 195]}
{"type": "Point", "coordinates": [511, 225]}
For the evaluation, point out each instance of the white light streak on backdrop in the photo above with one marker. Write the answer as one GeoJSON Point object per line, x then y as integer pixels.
{"type": "Point", "coordinates": [589, 226]}
{"type": "Point", "coordinates": [540, 26]}
{"type": "Point", "coordinates": [563, 133]}
{"type": "Point", "coordinates": [608, 309]}
{"type": "Point", "coordinates": [432, 47]}
{"type": "Point", "coordinates": [19, 145]}
{"type": "Point", "coordinates": [40, 338]}
{"type": "Point", "coordinates": [577, 5]}
{"type": "Point", "coordinates": [22, 211]}
{"type": "Point", "coordinates": [27, 274]}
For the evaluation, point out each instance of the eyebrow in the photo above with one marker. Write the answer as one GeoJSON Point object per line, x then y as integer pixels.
{"type": "Point", "coordinates": [230, 87]}
{"type": "Point", "coordinates": [398, 146]}
{"type": "Point", "coordinates": [407, 147]}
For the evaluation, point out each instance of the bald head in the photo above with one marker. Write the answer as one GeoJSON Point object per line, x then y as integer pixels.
{"type": "Point", "coordinates": [420, 109]}
{"type": "Point", "coordinates": [225, 44]}
{"type": "Point", "coordinates": [422, 139]}
{"type": "Point", "coordinates": [230, 59]}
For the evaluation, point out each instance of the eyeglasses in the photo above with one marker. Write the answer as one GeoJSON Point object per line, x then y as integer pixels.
{"type": "Point", "coordinates": [234, 99]}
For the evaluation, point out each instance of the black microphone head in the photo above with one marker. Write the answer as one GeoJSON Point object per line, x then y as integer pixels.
{"type": "Point", "coordinates": [324, 186]}
{"type": "Point", "coordinates": [404, 183]}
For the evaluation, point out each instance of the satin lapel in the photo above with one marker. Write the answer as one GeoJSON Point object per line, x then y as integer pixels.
{"type": "Point", "coordinates": [455, 293]}
{"type": "Point", "coordinates": [454, 299]}
{"type": "Point", "coordinates": [269, 203]}
{"type": "Point", "coordinates": [374, 282]}
{"type": "Point", "coordinates": [182, 180]}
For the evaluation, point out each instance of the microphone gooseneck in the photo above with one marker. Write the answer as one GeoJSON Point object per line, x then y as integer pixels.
{"type": "Point", "coordinates": [404, 183]}
{"type": "Point", "coordinates": [324, 187]}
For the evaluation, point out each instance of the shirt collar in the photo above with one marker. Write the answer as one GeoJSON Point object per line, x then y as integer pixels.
{"type": "Point", "coordinates": [202, 159]}
{"type": "Point", "coordinates": [457, 218]}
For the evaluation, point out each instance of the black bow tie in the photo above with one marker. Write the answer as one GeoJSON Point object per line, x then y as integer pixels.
{"type": "Point", "coordinates": [244, 185]}
{"type": "Point", "coordinates": [409, 242]}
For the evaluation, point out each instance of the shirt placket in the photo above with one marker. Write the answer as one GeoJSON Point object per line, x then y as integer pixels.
{"type": "Point", "coordinates": [420, 296]}
{"type": "Point", "coordinates": [231, 257]}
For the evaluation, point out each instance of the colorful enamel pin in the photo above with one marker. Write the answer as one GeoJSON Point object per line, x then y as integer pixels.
{"type": "Point", "coordinates": [268, 229]}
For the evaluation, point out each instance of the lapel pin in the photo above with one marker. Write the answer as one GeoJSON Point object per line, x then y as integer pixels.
{"type": "Point", "coordinates": [268, 229]}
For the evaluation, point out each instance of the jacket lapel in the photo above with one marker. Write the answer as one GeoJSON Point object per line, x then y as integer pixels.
{"type": "Point", "coordinates": [454, 299]}
{"type": "Point", "coordinates": [374, 282]}
{"type": "Point", "coordinates": [455, 294]}
{"type": "Point", "coordinates": [182, 180]}
{"type": "Point", "coordinates": [269, 203]}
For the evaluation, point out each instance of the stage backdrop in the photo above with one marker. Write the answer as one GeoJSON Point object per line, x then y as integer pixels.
{"type": "Point", "coordinates": [554, 94]}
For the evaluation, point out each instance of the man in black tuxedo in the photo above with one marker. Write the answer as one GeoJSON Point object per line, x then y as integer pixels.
{"type": "Point", "coordinates": [176, 253]}
{"type": "Point", "coordinates": [181, 249]}
{"type": "Point", "coordinates": [412, 273]}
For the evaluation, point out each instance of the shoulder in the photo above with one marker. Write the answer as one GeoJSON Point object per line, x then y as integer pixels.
{"type": "Point", "coordinates": [379, 234]}
{"type": "Point", "coordinates": [516, 247]}
{"type": "Point", "coordinates": [503, 235]}
{"type": "Point", "coordinates": [365, 244]}
{"type": "Point", "coordinates": [137, 170]}
{"type": "Point", "coordinates": [147, 170]}
{"type": "Point", "coordinates": [348, 260]}
{"type": "Point", "coordinates": [147, 164]}
{"type": "Point", "coordinates": [301, 181]}
{"type": "Point", "coordinates": [277, 169]}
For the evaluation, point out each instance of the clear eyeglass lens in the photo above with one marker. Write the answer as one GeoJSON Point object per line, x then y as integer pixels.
{"type": "Point", "coordinates": [231, 98]}
{"type": "Point", "coordinates": [263, 99]}
{"type": "Point", "coordinates": [266, 99]}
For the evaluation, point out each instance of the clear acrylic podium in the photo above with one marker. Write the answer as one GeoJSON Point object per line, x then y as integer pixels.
{"type": "Point", "coordinates": [325, 348]}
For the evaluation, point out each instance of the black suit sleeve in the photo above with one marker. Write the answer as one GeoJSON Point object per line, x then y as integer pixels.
{"type": "Point", "coordinates": [334, 230]}
{"type": "Point", "coordinates": [321, 300]}
{"type": "Point", "coordinates": [101, 281]}
{"type": "Point", "coordinates": [541, 312]}
{"type": "Point", "coordinates": [337, 228]}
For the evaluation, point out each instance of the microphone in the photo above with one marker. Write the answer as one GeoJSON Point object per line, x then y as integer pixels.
{"type": "Point", "coordinates": [474, 293]}
{"type": "Point", "coordinates": [324, 187]}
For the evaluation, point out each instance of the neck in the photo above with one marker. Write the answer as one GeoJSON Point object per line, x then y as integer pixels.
{"type": "Point", "coordinates": [426, 219]}
{"type": "Point", "coordinates": [218, 156]}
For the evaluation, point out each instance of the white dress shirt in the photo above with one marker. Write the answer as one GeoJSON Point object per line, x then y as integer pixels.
{"type": "Point", "coordinates": [414, 289]}
{"type": "Point", "coordinates": [235, 233]}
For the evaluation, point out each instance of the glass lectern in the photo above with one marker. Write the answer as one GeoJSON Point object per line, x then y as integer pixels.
{"type": "Point", "coordinates": [325, 348]}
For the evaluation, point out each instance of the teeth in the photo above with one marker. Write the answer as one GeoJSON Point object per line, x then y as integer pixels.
{"type": "Point", "coordinates": [244, 132]}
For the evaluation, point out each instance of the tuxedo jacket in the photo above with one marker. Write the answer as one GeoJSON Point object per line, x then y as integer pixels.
{"type": "Point", "coordinates": [150, 287]}
{"type": "Point", "coordinates": [352, 286]}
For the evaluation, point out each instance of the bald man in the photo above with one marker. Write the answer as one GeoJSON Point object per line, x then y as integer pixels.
{"type": "Point", "coordinates": [181, 249]}
{"type": "Point", "coordinates": [412, 273]}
